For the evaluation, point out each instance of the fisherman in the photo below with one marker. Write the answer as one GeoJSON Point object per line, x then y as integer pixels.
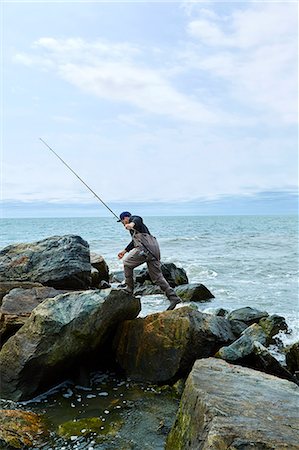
{"type": "Point", "coordinates": [143, 248]}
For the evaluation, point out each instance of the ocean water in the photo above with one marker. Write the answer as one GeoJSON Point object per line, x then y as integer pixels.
{"type": "Point", "coordinates": [243, 260]}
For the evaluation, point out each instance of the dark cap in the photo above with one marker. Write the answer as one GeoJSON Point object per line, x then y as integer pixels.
{"type": "Point", "coordinates": [123, 215]}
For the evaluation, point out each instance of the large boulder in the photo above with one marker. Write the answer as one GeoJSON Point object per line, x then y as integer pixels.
{"type": "Point", "coordinates": [227, 407]}
{"type": "Point", "coordinates": [62, 262]}
{"type": "Point", "coordinates": [61, 331]}
{"type": "Point", "coordinates": [163, 346]}
{"type": "Point", "coordinates": [17, 306]}
{"type": "Point", "coordinates": [21, 429]}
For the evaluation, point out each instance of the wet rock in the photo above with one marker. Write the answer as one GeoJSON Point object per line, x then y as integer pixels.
{"type": "Point", "coordinates": [95, 277]}
{"type": "Point", "coordinates": [249, 351]}
{"type": "Point", "coordinates": [62, 262]}
{"type": "Point", "coordinates": [292, 359]}
{"type": "Point", "coordinates": [220, 312]}
{"type": "Point", "coordinates": [243, 346]}
{"type": "Point", "coordinates": [163, 346]}
{"type": "Point", "coordinates": [173, 274]}
{"type": "Point", "coordinates": [194, 292]}
{"type": "Point", "coordinates": [98, 262]}
{"type": "Point", "coordinates": [248, 315]}
{"type": "Point", "coordinates": [17, 306]}
{"type": "Point", "coordinates": [21, 429]}
{"type": "Point", "coordinates": [231, 407]}
{"type": "Point", "coordinates": [238, 327]}
{"type": "Point", "coordinates": [58, 334]}
{"type": "Point", "coordinates": [272, 325]}
{"type": "Point", "coordinates": [6, 286]}
{"type": "Point", "coordinates": [147, 289]}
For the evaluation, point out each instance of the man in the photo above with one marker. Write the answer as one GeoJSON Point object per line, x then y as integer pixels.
{"type": "Point", "coordinates": [143, 248]}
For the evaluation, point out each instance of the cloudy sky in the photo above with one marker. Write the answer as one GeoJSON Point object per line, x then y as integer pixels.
{"type": "Point", "coordinates": [153, 102]}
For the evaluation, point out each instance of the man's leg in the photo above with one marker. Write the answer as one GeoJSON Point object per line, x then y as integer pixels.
{"type": "Point", "coordinates": [132, 260]}
{"type": "Point", "coordinates": [154, 268]}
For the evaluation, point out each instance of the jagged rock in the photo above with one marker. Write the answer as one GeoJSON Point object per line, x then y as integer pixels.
{"type": "Point", "coordinates": [21, 429]}
{"type": "Point", "coordinates": [163, 346]}
{"type": "Point", "coordinates": [173, 274]}
{"type": "Point", "coordinates": [62, 262]}
{"type": "Point", "coordinates": [248, 315]}
{"type": "Point", "coordinates": [249, 351]}
{"type": "Point", "coordinates": [98, 262]}
{"type": "Point", "coordinates": [243, 346]}
{"type": "Point", "coordinates": [17, 306]}
{"type": "Point", "coordinates": [238, 327]}
{"type": "Point", "coordinates": [194, 292]}
{"type": "Point", "coordinates": [57, 335]}
{"type": "Point", "coordinates": [228, 407]}
{"type": "Point", "coordinates": [95, 277]}
{"type": "Point", "coordinates": [6, 286]}
{"type": "Point", "coordinates": [272, 325]}
{"type": "Point", "coordinates": [292, 359]}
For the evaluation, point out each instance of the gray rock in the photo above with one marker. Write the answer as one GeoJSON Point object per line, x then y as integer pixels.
{"type": "Point", "coordinates": [58, 334]}
{"type": "Point", "coordinates": [173, 274]}
{"type": "Point", "coordinates": [7, 286]}
{"type": "Point", "coordinates": [98, 262]}
{"type": "Point", "coordinates": [227, 407]}
{"type": "Point", "coordinates": [194, 292]}
{"type": "Point", "coordinates": [163, 346]}
{"type": "Point", "coordinates": [238, 327]}
{"type": "Point", "coordinates": [17, 306]}
{"type": "Point", "coordinates": [95, 277]}
{"type": "Point", "coordinates": [62, 262]}
{"type": "Point", "coordinates": [248, 315]}
{"type": "Point", "coordinates": [249, 351]}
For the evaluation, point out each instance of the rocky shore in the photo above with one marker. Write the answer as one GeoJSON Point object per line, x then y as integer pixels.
{"type": "Point", "coordinates": [61, 311]}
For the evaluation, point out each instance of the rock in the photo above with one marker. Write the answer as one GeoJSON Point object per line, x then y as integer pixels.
{"type": "Point", "coordinates": [147, 289]}
{"type": "Point", "coordinates": [273, 325]}
{"type": "Point", "coordinates": [292, 359]}
{"type": "Point", "coordinates": [117, 277]}
{"type": "Point", "coordinates": [194, 292]}
{"type": "Point", "coordinates": [62, 262]}
{"type": "Point", "coordinates": [104, 285]}
{"type": "Point", "coordinates": [249, 351]}
{"type": "Point", "coordinates": [238, 327]}
{"type": "Point", "coordinates": [220, 312]}
{"type": "Point", "coordinates": [60, 333]}
{"type": "Point", "coordinates": [163, 346]}
{"type": "Point", "coordinates": [95, 277]}
{"type": "Point", "coordinates": [243, 346]}
{"type": "Point", "coordinates": [228, 407]}
{"type": "Point", "coordinates": [21, 429]}
{"type": "Point", "coordinates": [98, 262]}
{"type": "Point", "coordinates": [248, 315]}
{"type": "Point", "coordinates": [6, 286]}
{"type": "Point", "coordinates": [174, 275]}
{"type": "Point", "coordinates": [17, 306]}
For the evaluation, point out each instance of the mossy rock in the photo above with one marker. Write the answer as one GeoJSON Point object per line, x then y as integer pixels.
{"type": "Point", "coordinates": [21, 429]}
{"type": "Point", "coordinates": [86, 426]}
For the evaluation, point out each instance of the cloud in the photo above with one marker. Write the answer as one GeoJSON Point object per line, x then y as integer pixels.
{"type": "Point", "coordinates": [110, 71]}
{"type": "Point", "coordinates": [254, 51]}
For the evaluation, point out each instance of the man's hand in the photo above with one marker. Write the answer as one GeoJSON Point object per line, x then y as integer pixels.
{"type": "Point", "coordinates": [129, 226]}
{"type": "Point", "coordinates": [122, 254]}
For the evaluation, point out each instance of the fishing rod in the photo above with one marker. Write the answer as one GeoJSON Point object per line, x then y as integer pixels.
{"type": "Point", "coordinates": [82, 181]}
{"type": "Point", "coordinates": [85, 184]}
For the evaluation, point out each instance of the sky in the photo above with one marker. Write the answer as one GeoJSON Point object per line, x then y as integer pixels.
{"type": "Point", "coordinates": [165, 107]}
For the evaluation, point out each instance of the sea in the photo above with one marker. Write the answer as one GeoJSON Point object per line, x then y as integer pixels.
{"type": "Point", "coordinates": [243, 260]}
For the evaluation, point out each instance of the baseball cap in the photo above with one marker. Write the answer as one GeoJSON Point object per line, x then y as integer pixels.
{"type": "Point", "coordinates": [123, 215]}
